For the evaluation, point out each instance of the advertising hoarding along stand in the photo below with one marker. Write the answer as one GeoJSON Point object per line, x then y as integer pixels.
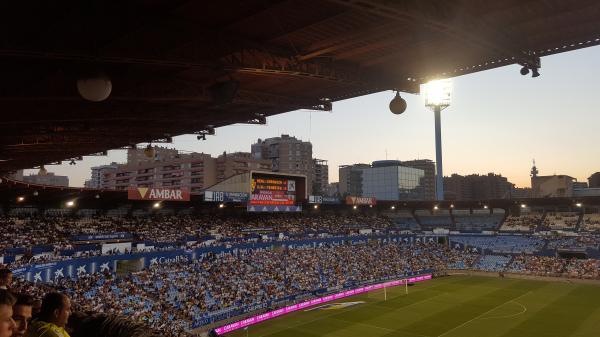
{"type": "Point", "coordinates": [303, 305]}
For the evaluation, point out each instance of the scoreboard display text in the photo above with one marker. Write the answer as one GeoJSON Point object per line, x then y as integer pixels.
{"type": "Point", "coordinates": [273, 191]}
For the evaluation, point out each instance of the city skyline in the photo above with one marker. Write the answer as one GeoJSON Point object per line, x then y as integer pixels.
{"type": "Point", "coordinates": [499, 121]}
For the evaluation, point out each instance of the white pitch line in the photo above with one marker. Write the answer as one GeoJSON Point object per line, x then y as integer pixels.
{"type": "Point", "coordinates": [408, 305]}
{"type": "Point", "coordinates": [288, 326]}
{"type": "Point", "coordinates": [474, 318]}
{"type": "Point", "coordinates": [381, 328]}
{"type": "Point", "coordinates": [361, 323]}
{"type": "Point", "coordinates": [523, 310]}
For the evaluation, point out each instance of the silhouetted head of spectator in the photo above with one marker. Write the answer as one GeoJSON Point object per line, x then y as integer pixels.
{"type": "Point", "coordinates": [7, 325]}
{"type": "Point", "coordinates": [22, 312]}
{"type": "Point", "coordinates": [36, 308]}
{"type": "Point", "coordinates": [6, 277]}
{"type": "Point", "coordinates": [103, 325]}
{"type": "Point", "coordinates": [56, 309]}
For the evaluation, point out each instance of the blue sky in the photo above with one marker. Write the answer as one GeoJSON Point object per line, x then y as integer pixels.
{"type": "Point", "coordinates": [498, 122]}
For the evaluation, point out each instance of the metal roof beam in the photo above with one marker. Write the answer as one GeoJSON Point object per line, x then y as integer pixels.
{"type": "Point", "coordinates": [471, 33]}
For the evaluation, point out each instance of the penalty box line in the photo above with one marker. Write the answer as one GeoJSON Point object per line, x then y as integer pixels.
{"type": "Point", "coordinates": [487, 312]}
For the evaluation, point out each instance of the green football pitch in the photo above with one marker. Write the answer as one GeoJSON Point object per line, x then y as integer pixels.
{"type": "Point", "coordinates": [455, 306]}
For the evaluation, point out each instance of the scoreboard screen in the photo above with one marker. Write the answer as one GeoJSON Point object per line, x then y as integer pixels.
{"type": "Point", "coordinates": [272, 189]}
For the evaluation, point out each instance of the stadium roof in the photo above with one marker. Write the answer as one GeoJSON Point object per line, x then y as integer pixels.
{"type": "Point", "coordinates": [181, 66]}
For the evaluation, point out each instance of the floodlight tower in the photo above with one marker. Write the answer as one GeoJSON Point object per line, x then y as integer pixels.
{"type": "Point", "coordinates": [437, 96]}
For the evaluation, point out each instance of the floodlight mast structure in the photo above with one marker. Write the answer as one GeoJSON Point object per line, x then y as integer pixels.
{"type": "Point", "coordinates": [437, 98]}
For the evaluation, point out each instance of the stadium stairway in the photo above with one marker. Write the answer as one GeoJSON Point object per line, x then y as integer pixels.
{"type": "Point", "coordinates": [417, 219]}
{"type": "Point", "coordinates": [453, 220]}
{"type": "Point", "coordinates": [546, 242]}
{"type": "Point", "coordinates": [476, 261]}
{"type": "Point", "coordinates": [512, 259]}
{"type": "Point", "coordinates": [579, 223]}
{"type": "Point", "coordinates": [539, 225]}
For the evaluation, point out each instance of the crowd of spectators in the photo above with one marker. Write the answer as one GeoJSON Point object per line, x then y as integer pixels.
{"type": "Point", "coordinates": [55, 234]}
{"type": "Point", "coordinates": [32, 231]}
{"type": "Point", "coordinates": [172, 298]}
{"type": "Point", "coordinates": [500, 243]}
{"type": "Point", "coordinates": [553, 266]}
{"type": "Point", "coordinates": [53, 316]}
{"type": "Point", "coordinates": [579, 242]}
{"type": "Point", "coordinates": [591, 222]}
{"type": "Point", "coordinates": [523, 223]}
{"type": "Point", "coordinates": [559, 221]}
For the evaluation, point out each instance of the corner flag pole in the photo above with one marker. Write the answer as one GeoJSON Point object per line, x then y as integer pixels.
{"type": "Point", "coordinates": [406, 286]}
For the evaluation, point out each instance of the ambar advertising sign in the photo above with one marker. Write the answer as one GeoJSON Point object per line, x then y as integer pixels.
{"type": "Point", "coordinates": [157, 193]}
{"type": "Point", "coordinates": [360, 201]}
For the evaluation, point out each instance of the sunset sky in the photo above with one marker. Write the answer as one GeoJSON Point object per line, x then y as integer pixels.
{"type": "Point", "coordinates": [499, 121]}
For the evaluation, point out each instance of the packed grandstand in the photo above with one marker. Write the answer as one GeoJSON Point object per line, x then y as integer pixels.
{"type": "Point", "coordinates": [178, 273]}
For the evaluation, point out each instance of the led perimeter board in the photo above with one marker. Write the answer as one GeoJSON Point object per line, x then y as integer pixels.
{"type": "Point", "coordinates": [271, 189]}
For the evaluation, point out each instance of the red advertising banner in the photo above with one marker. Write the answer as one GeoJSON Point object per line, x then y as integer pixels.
{"type": "Point", "coordinates": [361, 201]}
{"type": "Point", "coordinates": [157, 193]}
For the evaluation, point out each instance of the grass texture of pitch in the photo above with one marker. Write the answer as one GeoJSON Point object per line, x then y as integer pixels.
{"type": "Point", "coordinates": [456, 306]}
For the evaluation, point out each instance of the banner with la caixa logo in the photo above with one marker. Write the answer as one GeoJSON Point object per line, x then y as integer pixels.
{"type": "Point", "coordinates": [75, 268]}
{"type": "Point", "coordinates": [49, 272]}
{"type": "Point", "coordinates": [102, 237]}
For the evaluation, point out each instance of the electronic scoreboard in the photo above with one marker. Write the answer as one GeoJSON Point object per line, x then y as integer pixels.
{"type": "Point", "coordinates": [275, 189]}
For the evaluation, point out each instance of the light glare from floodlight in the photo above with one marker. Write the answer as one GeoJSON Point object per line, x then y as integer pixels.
{"type": "Point", "coordinates": [437, 93]}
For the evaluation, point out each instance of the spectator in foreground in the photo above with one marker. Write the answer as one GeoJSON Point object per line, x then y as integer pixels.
{"type": "Point", "coordinates": [22, 311]}
{"type": "Point", "coordinates": [103, 325]}
{"type": "Point", "coordinates": [6, 277]}
{"type": "Point", "coordinates": [36, 307]}
{"type": "Point", "coordinates": [7, 325]}
{"type": "Point", "coordinates": [53, 317]}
